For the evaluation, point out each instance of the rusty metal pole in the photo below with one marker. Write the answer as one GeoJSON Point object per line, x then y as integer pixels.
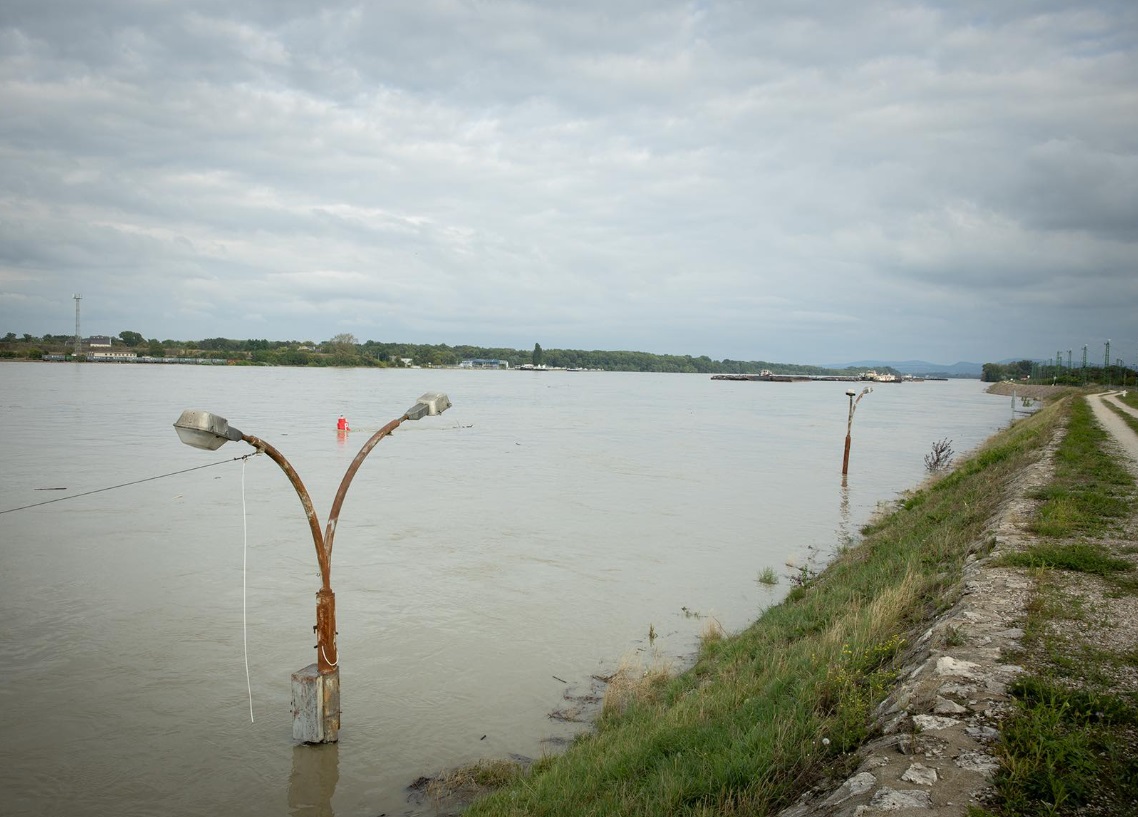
{"type": "Point", "coordinates": [325, 598]}
{"type": "Point", "coordinates": [849, 429]}
{"type": "Point", "coordinates": [849, 425]}
{"type": "Point", "coordinates": [328, 654]}
{"type": "Point", "coordinates": [316, 688]}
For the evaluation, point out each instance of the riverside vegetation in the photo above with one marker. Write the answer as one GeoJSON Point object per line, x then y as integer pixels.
{"type": "Point", "coordinates": [344, 350]}
{"type": "Point", "coordinates": [784, 706]}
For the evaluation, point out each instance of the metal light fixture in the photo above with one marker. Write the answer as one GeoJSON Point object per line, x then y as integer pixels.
{"type": "Point", "coordinates": [316, 688]}
{"type": "Point", "coordinates": [204, 430]}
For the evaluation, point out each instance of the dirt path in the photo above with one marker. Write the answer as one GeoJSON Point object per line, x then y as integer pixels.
{"type": "Point", "coordinates": [1122, 433]}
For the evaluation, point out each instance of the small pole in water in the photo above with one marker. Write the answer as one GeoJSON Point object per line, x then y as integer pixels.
{"type": "Point", "coordinates": [849, 424]}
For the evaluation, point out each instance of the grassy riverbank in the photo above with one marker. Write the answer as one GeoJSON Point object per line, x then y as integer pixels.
{"type": "Point", "coordinates": [784, 705]}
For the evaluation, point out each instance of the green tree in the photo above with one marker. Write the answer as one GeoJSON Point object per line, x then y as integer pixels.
{"type": "Point", "coordinates": [344, 351]}
{"type": "Point", "coordinates": [993, 372]}
{"type": "Point", "coordinates": [131, 338]}
{"type": "Point", "coordinates": [537, 354]}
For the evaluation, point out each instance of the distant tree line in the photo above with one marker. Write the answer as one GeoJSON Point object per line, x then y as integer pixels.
{"type": "Point", "coordinates": [345, 350]}
{"type": "Point", "coordinates": [1057, 373]}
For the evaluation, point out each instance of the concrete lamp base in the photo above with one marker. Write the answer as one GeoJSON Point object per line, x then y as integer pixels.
{"type": "Point", "coordinates": [316, 705]}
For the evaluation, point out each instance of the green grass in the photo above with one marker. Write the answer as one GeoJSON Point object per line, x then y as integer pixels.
{"type": "Point", "coordinates": [1091, 490]}
{"type": "Point", "coordinates": [767, 713]}
{"type": "Point", "coordinates": [1063, 749]}
{"type": "Point", "coordinates": [1070, 746]}
{"type": "Point", "coordinates": [1076, 556]}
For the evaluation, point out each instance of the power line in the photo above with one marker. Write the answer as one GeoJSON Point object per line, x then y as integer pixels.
{"type": "Point", "coordinates": [125, 484]}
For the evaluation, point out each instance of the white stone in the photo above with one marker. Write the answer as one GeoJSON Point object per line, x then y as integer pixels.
{"type": "Point", "coordinates": [946, 707]}
{"type": "Point", "coordinates": [920, 774]}
{"type": "Point", "coordinates": [858, 784]}
{"type": "Point", "coordinates": [930, 723]}
{"type": "Point", "coordinates": [949, 666]}
{"type": "Point", "coordinates": [959, 690]}
{"type": "Point", "coordinates": [894, 725]}
{"type": "Point", "coordinates": [893, 800]}
{"type": "Point", "coordinates": [977, 762]}
{"type": "Point", "coordinates": [982, 732]}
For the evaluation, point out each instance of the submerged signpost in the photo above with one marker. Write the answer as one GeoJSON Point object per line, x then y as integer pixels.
{"type": "Point", "coordinates": [316, 688]}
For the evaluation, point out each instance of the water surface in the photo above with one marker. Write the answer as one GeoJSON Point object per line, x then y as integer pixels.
{"type": "Point", "coordinates": [488, 562]}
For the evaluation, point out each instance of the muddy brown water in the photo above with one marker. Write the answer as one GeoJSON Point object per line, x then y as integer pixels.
{"type": "Point", "coordinates": [488, 562]}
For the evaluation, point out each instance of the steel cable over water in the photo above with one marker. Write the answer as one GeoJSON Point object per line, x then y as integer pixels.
{"type": "Point", "coordinates": [128, 484]}
{"type": "Point", "coordinates": [244, 550]}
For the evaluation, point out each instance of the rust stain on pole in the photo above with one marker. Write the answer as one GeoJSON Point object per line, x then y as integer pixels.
{"type": "Point", "coordinates": [327, 653]}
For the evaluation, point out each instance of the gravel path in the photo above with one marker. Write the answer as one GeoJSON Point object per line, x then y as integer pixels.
{"type": "Point", "coordinates": [1122, 433]}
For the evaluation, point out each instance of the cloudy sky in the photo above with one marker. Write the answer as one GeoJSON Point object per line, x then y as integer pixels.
{"type": "Point", "coordinates": [793, 180]}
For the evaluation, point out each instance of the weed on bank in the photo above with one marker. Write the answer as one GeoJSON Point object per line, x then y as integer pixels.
{"type": "Point", "coordinates": [766, 714]}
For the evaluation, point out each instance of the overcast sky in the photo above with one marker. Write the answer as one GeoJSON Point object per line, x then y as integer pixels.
{"type": "Point", "coordinates": [790, 181]}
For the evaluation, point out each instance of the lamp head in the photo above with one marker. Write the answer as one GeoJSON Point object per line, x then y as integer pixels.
{"type": "Point", "coordinates": [204, 430]}
{"type": "Point", "coordinates": [428, 405]}
{"type": "Point", "coordinates": [850, 392]}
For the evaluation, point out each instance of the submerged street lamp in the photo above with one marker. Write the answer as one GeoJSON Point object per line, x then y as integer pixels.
{"type": "Point", "coordinates": [849, 424]}
{"type": "Point", "coordinates": [316, 688]}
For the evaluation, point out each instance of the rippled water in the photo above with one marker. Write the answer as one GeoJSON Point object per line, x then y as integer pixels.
{"type": "Point", "coordinates": [488, 562]}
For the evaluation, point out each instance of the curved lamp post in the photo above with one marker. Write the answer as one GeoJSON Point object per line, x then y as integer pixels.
{"type": "Point", "coordinates": [316, 688]}
{"type": "Point", "coordinates": [849, 424]}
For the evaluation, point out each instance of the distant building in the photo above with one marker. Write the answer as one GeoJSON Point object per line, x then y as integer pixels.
{"type": "Point", "coordinates": [115, 354]}
{"type": "Point", "coordinates": [484, 363]}
{"type": "Point", "coordinates": [98, 341]}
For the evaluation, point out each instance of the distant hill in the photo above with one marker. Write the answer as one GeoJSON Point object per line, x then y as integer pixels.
{"type": "Point", "coordinates": [962, 369]}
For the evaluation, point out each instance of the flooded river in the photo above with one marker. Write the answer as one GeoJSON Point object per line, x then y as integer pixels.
{"type": "Point", "coordinates": [488, 562]}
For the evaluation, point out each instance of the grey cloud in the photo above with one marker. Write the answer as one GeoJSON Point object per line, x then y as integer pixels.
{"type": "Point", "coordinates": [640, 172]}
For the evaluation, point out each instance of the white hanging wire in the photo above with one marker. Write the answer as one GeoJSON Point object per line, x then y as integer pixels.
{"type": "Point", "coordinates": [244, 595]}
